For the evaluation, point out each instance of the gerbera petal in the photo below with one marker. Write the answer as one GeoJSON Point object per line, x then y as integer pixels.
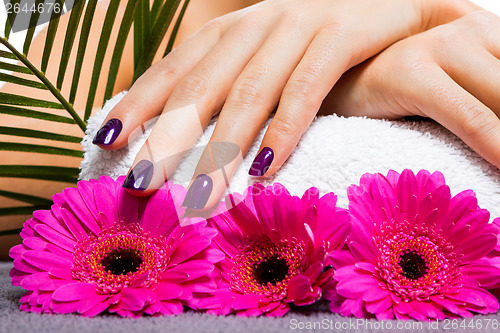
{"type": "Point", "coordinates": [475, 296]}
{"type": "Point", "coordinates": [133, 299]}
{"type": "Point", "coordinates": [154, 212]}
{"type": "Point", "coordinates": [171, 307]}
{"type": "Point", "coordinates": [32, 243]}
{"type": "Point", "coordinates": [194, 268]}
{"type": "Point", "coordinates": [50, 220]}
{"type": "Point", "coordinates": [384, 196]}
{"type": "Point", "coordinates": [314, 271]}
{"type": "Point", "coordinates": [74, 226]}
{"type": "Point", "coordinates": [336, 232]}
{"type": "Point", "coordinates": [42, 281]}
{"type": "Point", "coordinates": [247, 301]}
{"type": "Point", "coordinates": [96, 308]}
{"type": "Point", "coordinates": [485, 273]}
{"type": "Point", "coordinates": [74, 292]}
{"type": "Point", "coordinates": [186, 250]}
{"type": "Point", "coordinates": [461, 205]}
{"type": "Point", "coordinates": [45, 260]}
{"type": "Point", "coordinates": [23, 266]}
{"type": "Point", "coordinates": [480, 216]}
{"type": "Point", "coordinates": [403, 307]}
{"type": "Point", "coordinates": [385, 315]}
{"type": "Point", "coordinates": [105, 202]}
{"type": "Point", "coordinates": [406, 189]}
{"type": "Point", "coordinates": [422, 178]}
{"type": "Point", "coordinates": [355, 286]}
{"type": "Point", "coordinates": [231, 238]}
{"type": "Point", "coordinates": [297, 220]}
{"type": "Point", "coordinates": [167, 291]}
{"type": "Point", "coordinates": [417, 315]}
{"type": "Point", "coordinates": [362, 253]}
{"type": "Point", "coordinates": [379, 306]}
{"type": "Point", "coordinates": [298, 287]}
{"type": "Point", "coordinates": [86, 192]}
{"type": "Point", "coordinates": [479, 247]}
{"type": "Point", "coordinates": [247, 221]}
{"type": "Point", "coordinates": [78, 206]}
{"type": "Point", "coordinates": [127, 205]}
{"type": "Point", "coordinates": [353, 307]}
{"type": "Point", "coordinates": [440, 201]}
{"type": "Point", "coordinates": [55, 237]}
{"type": "Point", "coordinates": [90, 303]}
{"type": "Point", "coordinates": [63, 307]}
{"type": "Point", "coordinates": [427, 309]}
{"type": "Point", "coordinates": [266, 209]}
{"type": "Point", "coordinates": [375, 294]}
{"type": "Point", "coordinates": [279, 311]}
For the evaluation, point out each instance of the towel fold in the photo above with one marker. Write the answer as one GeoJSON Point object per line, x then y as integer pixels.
{"type": "Point", "coordinates": [332, 155]}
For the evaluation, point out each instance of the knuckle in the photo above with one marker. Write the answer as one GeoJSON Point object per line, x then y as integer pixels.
{"type": "Point", "coordinates": [167, 68]}
{"type": "Point", "coordinates": [248, 90]}
{"type": "Point", "coordinates": [285, 126]}
{"type": "Point", "coordinates": [444, 37]}
{"type": "Point", "coordinates": [293, 18]}
{"type": "Point", "coordinates": [338, 29]}
{"type": "Point", "coordinates": [193, 86]}
{"type": "Point", "coordinates": [411, 59]}
{"type": "Point", "coordinates": [474, 121]}
{"type": "Point", "coordinates": [251, 20]}
{"type": "Point", "coordinates": [214, 26]}
{"type": "Point", "coordinates": [483, 19]}
{"type": "Point", "coordinates": [303, 84]}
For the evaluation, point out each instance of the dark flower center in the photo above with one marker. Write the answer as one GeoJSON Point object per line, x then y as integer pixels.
{"type": "Point", "coordinates": [272, 270]}
{"type": "Point", "coordinates": [413, 265]}
{"type": "Point", "coordinates": [122, 261]}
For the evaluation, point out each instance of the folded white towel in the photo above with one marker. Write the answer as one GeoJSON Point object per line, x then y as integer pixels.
{"type": "Point", "coordinates": [333, 154]}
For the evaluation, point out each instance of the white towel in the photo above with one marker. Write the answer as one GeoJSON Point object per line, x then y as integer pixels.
{"type": "Point", "coordinates": [332, 155]}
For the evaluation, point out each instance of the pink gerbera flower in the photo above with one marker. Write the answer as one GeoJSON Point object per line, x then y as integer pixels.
{"type": "Point", "coordinates": [414, 251]}
{"type": "Point", "coordinates": [99, 248]}
{"type": "Point", "coordinates": [277, 249]}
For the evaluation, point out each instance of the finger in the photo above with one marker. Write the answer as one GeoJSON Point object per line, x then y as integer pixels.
{"type": "Point", "coordinates": [479, 74]}
{"type": "Point", "coordinates": [316, 73]}
{"type": "Point", "coordinates": [147, 97]}
{"type": "Point", "coordinates": [205, 90]}
{"type": "Point", "coordinates": [212, 175]}
{"type": "Point", "coordinates": [477, 71]}
{"type": "Point", "coordinates": [335, 49]}
{"type": "Point", "coordinates": [456, 109]}
{"type": "Point", "coordinates": [155, 160]}
{"type": "Point", "coordinates": [252, 98]}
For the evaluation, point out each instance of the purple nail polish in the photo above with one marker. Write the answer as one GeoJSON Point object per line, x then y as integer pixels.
{"type": "Point", "coordinates": [262, 162]}
{"type": "Point", "coordinates": [108, 133]}
{"type": "Point", "coordinates": [140, 176]}
{"type": "Point", "coordinates": [199, 192]}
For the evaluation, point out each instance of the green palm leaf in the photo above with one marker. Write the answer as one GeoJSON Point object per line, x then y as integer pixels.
{"type": "Point", "coordinates": [150, 25]}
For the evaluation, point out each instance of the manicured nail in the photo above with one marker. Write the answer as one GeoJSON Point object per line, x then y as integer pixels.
{"type": "Point", "coordinates": [262, 162]}
{"type": "Point", "coordinates": [140, 176]}
{"type": "Point", "coordinates": [199, 192]}
{"type": "Point", "coordinates": [108, 133]}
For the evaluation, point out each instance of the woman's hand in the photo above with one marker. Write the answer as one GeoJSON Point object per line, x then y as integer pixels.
{"type": "Point", "coordinates": [284, 53]}
{"type": "Point", "coordinates": [449, 73]}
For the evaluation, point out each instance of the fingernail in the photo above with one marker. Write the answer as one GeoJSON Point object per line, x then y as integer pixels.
{"type": "Point", "coordinates": [108, 133]}
{"type": "Point", "coordinates": [140, 176]}
{"type": "Point", "coordinates": [262, 162]}
{"type": "Point", "coordinates": [199, 192]}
